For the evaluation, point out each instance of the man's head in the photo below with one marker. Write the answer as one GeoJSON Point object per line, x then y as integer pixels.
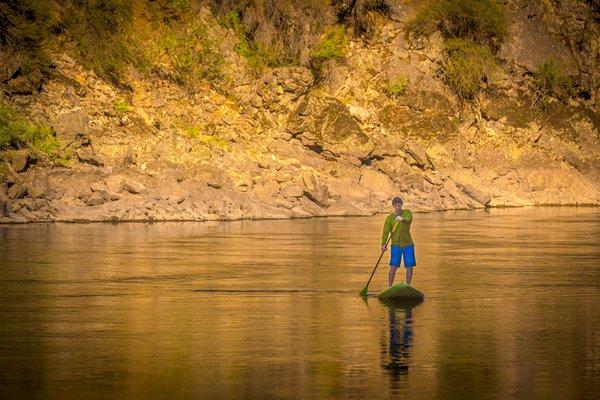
{"type": "Point", "coordinates": [397, 203]}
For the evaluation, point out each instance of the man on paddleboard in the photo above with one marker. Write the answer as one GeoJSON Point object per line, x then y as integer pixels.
{"type": "Point", "coordinates": [397, 224]}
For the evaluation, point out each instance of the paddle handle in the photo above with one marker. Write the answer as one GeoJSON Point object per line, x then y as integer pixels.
{"type": "Point", "coordinates": [381, 255]}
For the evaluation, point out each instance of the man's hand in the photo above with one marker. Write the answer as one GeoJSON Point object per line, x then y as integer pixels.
{"type": "Point", "coordinates": [383, 247]}
{"type": "Point", "coordinates": [399, 218]}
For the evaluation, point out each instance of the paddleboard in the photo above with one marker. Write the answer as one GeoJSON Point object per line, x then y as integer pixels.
{"type": "Point", "coordinates": [401, 291]}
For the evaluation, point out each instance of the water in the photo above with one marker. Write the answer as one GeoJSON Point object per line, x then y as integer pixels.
{"type": "Point", "coordinates": [270, 309]}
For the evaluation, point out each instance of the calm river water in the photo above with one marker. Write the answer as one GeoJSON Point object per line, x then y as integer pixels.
{"type": "Point", "coordinates": [270, 309]}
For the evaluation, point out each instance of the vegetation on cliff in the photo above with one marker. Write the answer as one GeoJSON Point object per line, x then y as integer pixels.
{"type": "Point", "coordinates": [109, 36]}
{"type": "Point", "coordinates": [551, 80]}
{"type": "Point", "coordinates": [473, 31]}
{"type": "Point", "coordinates": [16, 131]}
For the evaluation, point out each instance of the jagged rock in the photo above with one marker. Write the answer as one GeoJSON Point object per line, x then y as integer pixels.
{"type": "Point", "coordinates": [84, 195]}
{"type": "Point", "coordinates": [325, 125]}
{"type": "Point", "coordinates": [28, 215]}
{"type": "Point", "coordinates": [4, 204]}
{"type": "Point", "coordinates": [479, 195]}
{"type": "Point", "coordinates": [96, 199]}
{"type": "Point", "coordinates": [315, 190]}
{"type": "Point", "coordinates": [293, 191]}
{"type": "Point", "coordinates": [412, 180]}
{"type": "Point", "coordinates": [38, 186]}
{"type": "Point", "coordinates": [133, 187]}
{"type": "Point", "coordinates": [114, 183]}
{"type": "Point", "coordinates": [425, 124]}
{"type": "Point", "coordinates": [87, 155]}
{"type": "Point", "coordinates": [129, 158]}
{"type": "Point", "coordinates": [394, 167]}
{"type": "Point", "coordinates": [360, 113]}
{"type": "Point", "coordinates": [20, 160]}
{"type": "Point", "coordinates": [418, 153]}
{"type": "Point", "coordinates": [70, 124]}
{"type": "Point", "coordinates": [38, 204]}
{"type": "Point", "coordinates": [22, 85]}
{"type": "Point", "coordinates": [17, 191]}
{"type": "Point", "coordinates": [379, 184]}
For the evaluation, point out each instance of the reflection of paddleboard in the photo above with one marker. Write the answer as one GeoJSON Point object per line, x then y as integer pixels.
{"type": "Point", "coordinates": [401, 291]}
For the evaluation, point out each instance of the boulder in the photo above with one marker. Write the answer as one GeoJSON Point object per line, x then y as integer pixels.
{"type": "Point", "coordinates": [114, 183]}
{"type": "Point", "coordinates": [4, 205]}
{"type": "Point", "coordinates": [70, 124]}
{"type": "Point", "coordinates": [418, 153]}
{"type": "Point", "coordinates": [394, 167]}
{"type": "Point", "coordinates": [324, 124]}
{"type": "Point", "coordinates": [96, 199]}
{"type": "Point", "coordinates": [315, 190]}
{"type": "Point", "coordinates": [20, 160]}
{"type": "Point", "coordinates": [87, 155]}
{"type": "Point", "coordinates": [17, 191]}
{"type": "Point", "coordinates": [133, 187]}
{"type": "Point", "coordinates": [292, 191]}
{"type": "Point", "coordinates": [379, 184]}
{"type": "Point", "coordinates": [38, 187]}
{"type": "Point", "coordinates": [479, 195]}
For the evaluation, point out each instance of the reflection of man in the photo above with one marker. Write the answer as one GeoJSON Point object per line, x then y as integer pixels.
{"type": "Point", "coordinates": [397, 224]}
{"type": "Point", "coordinates": [400, 341]}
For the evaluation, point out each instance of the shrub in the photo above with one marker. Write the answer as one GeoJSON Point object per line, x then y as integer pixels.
{"type": "Point", "coordinates": [122, 107]}
{"type": "Point", "coordinates": [17, 132]}
{"type": "Point", "coordinates": [102, 34]}
{"type": "Point", "coordinates": [482, 21]}
{"type": "Point", "coordinates": [258, 55]}
{"type": "Point", "coordinates": [397, 85]}
{"type": "Point", "coordinates": [333, 44]}
{"type": "Point", "coordinates": [195, 132]}
{"type": "Point", "coordinates": [24, 28]}
{"type": "Point", "coordinates": [282, 30]}
{"type": "Point", "coordinates": [358, 15]}
{"type": "Point", "coordinates": [467, 66]}
{"type": "Point", "coordinates": [193, 54]}
{"type": "Point", "coordinates": [551, 79]}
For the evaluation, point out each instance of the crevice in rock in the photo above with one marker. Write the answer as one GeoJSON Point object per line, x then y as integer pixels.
{"type": "Point", "coordinates": [316, 148]}
{"type": "Point", "coordinates": [368, 160]}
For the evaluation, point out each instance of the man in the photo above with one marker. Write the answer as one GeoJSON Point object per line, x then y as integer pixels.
{"type": "Point", "coordinates": [397, 224]}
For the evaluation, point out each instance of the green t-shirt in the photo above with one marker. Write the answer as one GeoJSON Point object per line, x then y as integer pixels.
{"type": "Point", "coordinates": [401, 236]}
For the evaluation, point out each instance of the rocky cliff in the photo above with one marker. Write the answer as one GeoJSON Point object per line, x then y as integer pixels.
{"type": "Point", "coordinates": [285, 144]}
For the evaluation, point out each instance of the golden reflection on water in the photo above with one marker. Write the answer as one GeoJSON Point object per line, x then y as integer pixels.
{"type": "Point", "coordinates": [270, 309]}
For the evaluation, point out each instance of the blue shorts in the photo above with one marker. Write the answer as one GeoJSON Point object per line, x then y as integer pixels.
{"type": "Point", "coordinates": [409, 256]}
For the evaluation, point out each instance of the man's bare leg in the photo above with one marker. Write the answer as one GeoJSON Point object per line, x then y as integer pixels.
{"type": "Point", "coordinates": [391, 276]}
{"type": "Point", "coordinates": [408, 275]}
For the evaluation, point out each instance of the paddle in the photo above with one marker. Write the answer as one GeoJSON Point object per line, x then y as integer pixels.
{"type": "Point", "coordinates": [363, 293]}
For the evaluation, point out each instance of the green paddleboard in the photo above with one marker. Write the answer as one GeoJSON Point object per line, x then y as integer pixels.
{"type": "Point", "coordinates": [401, 291]}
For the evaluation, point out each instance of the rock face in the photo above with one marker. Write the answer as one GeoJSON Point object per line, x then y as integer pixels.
{"type": "Point", "coordinates": [284, 146]}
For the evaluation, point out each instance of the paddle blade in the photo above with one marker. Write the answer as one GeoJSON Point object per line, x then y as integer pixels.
{"type": "Point", "coordinates": [363, 293]}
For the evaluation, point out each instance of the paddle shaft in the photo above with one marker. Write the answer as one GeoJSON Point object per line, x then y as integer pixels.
{"type": "Point", "coordinates": [381, 255]}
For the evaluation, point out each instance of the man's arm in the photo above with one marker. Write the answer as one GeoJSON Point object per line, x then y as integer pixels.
{"type": "Point", "coordinates": [386, 233]}
{"type": "Point", "coordinates": [407, 217]}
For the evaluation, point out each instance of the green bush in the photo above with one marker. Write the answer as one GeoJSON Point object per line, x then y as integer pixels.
{"type": "Point", "coordinates": [196, 132]}
{"type": "Point", "coordinates": [122, 107]}
{"type": "Point", "coordinates": [551, 79]}
{"type": "Point", "coordinates": [17, 132]}
{"type": "Point", "coordinates": [467, 66]}
{"type": "Point", "coordinates": [397, 85]}
{"type": "Point", "coordinates": [333, 44]}
{"type": "Point", "coordinates": [482, 21]}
